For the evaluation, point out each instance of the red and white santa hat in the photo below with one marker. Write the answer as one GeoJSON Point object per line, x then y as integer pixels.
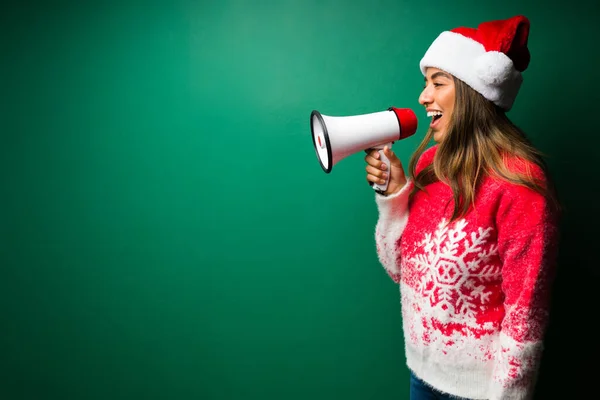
{"type": "Point", "coordinates": [490, 58]}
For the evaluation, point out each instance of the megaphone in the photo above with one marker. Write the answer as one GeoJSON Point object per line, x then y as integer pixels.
{"type": "Point", "coordinates": [335, 138]}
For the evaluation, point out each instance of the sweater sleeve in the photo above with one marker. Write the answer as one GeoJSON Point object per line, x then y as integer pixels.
{"type": "Point", "coordinates": [527, 242]}
{"type": "Point", "coordinates": [393, 215]}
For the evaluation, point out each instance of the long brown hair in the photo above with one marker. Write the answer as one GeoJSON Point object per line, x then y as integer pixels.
{"type": "Point", "coordinates": [479, 139]}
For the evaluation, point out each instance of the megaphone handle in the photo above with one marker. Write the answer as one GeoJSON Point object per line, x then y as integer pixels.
{"type": "Point", "coordinates": [381, 188]}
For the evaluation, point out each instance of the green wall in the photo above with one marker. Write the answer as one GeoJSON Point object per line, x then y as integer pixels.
{"type": "Point", "coordinates": [166, 231]}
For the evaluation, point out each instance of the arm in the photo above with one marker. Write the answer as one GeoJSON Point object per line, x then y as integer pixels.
{"type": "Point", "coordinates": [393, 215]}
{"type": "Point", "coordinates": [393, 209]}
{"type": "Point", "coordinates": [527, 242]}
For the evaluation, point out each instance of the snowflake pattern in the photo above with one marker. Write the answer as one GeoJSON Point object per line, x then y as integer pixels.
{"type": "Point", "coordinates": [453, 269]}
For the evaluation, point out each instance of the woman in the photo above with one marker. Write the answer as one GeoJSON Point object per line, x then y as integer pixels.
{"type": "Point", "coordinates": [471, 234]}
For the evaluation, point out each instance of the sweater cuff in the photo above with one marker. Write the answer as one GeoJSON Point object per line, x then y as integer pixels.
{"type": "Point", "coordinates": [394, 203]}
{"type": "Point", "coordinates": [516, 369]}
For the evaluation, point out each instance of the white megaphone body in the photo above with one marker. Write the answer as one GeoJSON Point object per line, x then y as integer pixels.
{"type": "Point", "coordinates": [335, 138]}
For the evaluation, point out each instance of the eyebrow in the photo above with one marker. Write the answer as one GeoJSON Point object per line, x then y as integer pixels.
{"type": "Point", "coordinates": [438, 75]}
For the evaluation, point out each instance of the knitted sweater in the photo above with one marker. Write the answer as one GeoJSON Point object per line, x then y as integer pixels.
{"type": "Point", "coordinates": [474, 293]}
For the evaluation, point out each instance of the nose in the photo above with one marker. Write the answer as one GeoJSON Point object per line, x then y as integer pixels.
{"type": "Point", "coordinates": [426, 96]}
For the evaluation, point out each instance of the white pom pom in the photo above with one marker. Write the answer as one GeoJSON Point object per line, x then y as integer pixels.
{"type": "Point", "coordinates": [494, 67]}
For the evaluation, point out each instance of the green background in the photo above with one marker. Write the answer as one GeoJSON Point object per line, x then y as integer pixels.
{"type": "Point", "coordinates": [166, 231]}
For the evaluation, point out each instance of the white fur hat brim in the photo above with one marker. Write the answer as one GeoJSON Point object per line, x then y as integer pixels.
{"type": "Point", "coordinates": [490, 73]}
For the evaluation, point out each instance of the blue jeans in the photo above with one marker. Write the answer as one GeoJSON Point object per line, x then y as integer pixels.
{"type": "Point", "coordinates": [419, 390]}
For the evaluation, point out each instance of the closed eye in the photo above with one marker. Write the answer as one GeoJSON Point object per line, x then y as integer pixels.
{"type": "Point", "coordinates": [435, 84]}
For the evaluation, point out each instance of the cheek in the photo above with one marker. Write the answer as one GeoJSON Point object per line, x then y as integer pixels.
{"type": "Point", "coordinates": [448, 111]}
{"type": "Point", "coordinates": [449, 99]}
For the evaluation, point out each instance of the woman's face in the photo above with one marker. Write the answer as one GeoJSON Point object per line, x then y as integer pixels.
{"type": "Point", "coordinates": [438, 98]}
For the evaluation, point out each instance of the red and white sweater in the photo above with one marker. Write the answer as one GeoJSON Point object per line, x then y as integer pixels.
{"type": "Point", "coordinates": [474, 293]}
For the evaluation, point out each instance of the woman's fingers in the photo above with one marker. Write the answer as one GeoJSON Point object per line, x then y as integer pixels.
{"type": "Point", "coordinates": [376, 175]}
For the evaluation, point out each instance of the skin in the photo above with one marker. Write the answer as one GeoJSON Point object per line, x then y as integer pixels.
{"type": "Point", "coordinates": [438, 95]}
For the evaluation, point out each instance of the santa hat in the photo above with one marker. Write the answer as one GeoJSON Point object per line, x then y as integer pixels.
{"type": "Point", "coordinates": [490, 58]}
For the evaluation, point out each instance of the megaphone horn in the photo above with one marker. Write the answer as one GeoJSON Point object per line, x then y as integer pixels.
{"type": "Point", "coordinates": [335, 138]}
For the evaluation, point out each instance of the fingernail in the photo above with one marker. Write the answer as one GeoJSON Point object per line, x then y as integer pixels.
{"type": "Point", "coordinates": [383, 166]}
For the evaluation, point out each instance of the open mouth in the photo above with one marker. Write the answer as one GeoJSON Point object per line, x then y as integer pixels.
{"type": "Point", "coordinates": [435, 117]}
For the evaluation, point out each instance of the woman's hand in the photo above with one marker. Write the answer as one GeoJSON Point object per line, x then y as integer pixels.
{"type": "Point", "coordinates": [377, 170]}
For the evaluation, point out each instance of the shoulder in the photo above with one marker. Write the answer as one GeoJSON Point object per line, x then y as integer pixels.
{"type": "Point", "coordinates": [513, 197]}
{"type": "Point", "coordinates": [529, 171]}
{"type": "Point", "coordinates": [526, 168]}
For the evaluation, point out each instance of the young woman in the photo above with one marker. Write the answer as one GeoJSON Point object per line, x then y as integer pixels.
{"type": "Point", "coordinates": [471, 233]}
